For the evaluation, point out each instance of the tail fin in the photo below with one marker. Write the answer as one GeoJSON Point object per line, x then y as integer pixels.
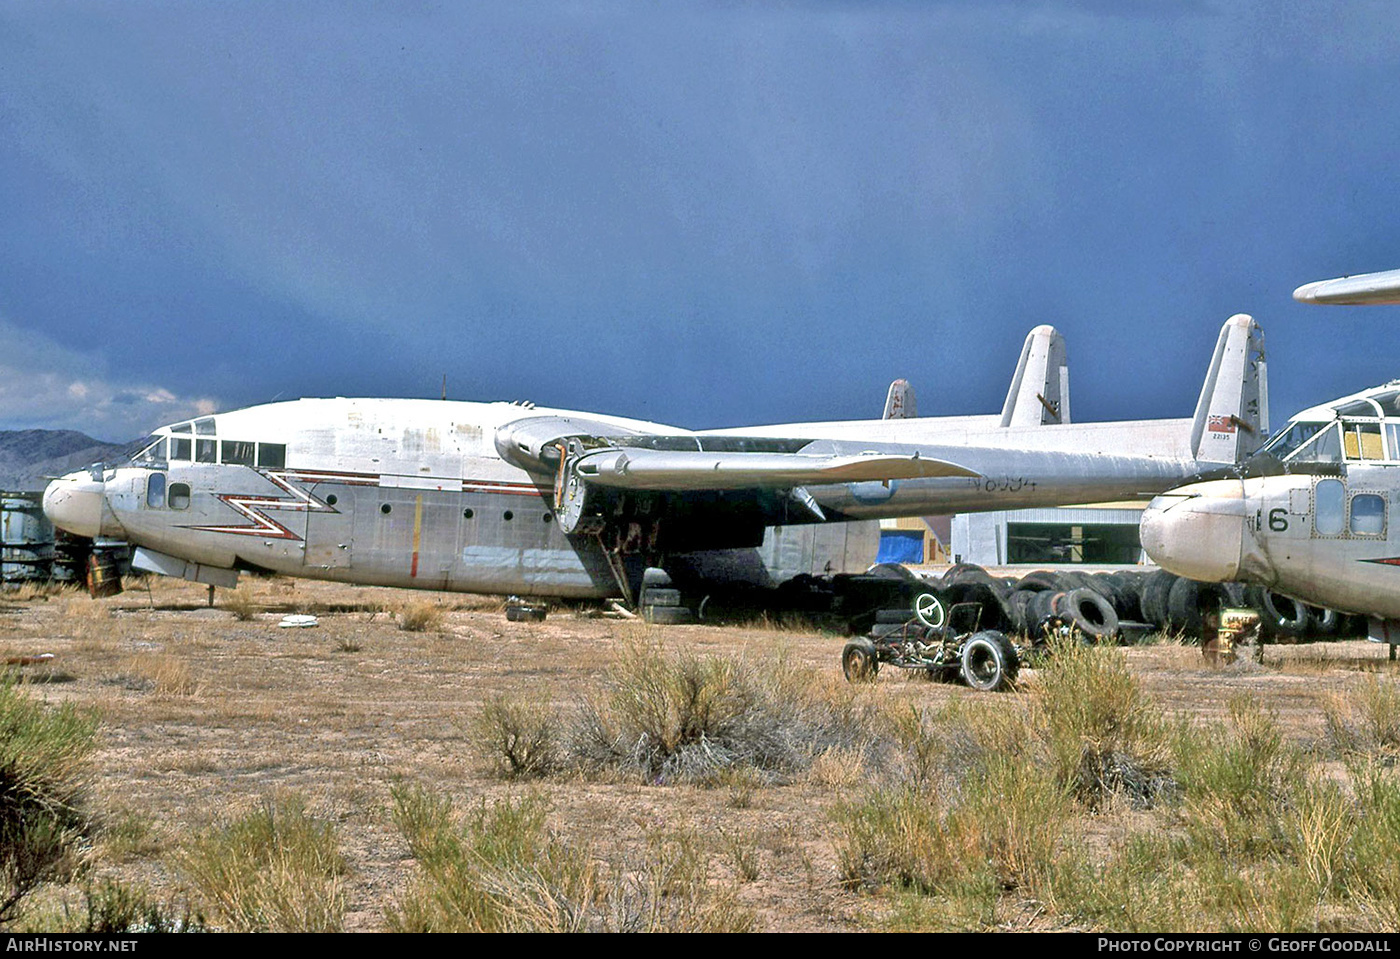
{"type": "Point", "coordinates": [1232, 415]}
{"type": "Point", "coordinates": [1039, 391]}
{"type": "Point", "coordinates": [899, 404]}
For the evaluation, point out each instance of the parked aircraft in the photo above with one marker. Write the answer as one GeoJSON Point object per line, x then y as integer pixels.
{"type": "Point", "coordinates": [1309, 515]}
{"type": "Point", "coordinates": [510, 498]}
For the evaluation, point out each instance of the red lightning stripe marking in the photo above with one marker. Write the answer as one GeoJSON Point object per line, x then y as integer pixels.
{"type": "Point", "coordinates": [254, 507]}
{"type": "Point", "coordinates": [1387, 561]}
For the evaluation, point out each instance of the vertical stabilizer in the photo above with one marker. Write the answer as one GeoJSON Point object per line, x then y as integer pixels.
{"type": "Point", "coordinates": [899, 404]}
{"type": "Point", "coordinates": [1232, 415]}
{"type": "Point", "coordinates": [1039, 391]}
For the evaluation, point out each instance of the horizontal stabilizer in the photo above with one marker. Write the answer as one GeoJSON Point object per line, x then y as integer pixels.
{"type": "Point", "coordinates": [1366, 289]}
{"type": "Point", "coordinates": [643, 469]}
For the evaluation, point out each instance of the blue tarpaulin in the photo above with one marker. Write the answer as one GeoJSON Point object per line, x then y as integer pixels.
{"type": "Point", "coordinates": [900, 546]}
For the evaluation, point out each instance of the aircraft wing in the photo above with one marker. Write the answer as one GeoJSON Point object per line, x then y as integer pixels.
{"type": "Point", "coordinates": [687, 470]}
{"type": "Point", "coordinates": [1366, 288]}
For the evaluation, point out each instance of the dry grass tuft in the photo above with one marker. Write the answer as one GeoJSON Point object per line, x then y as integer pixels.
{"type": "Point", "coordinates": [160, 673]}
{"type": "Point", "coordinates": [1366, 722]}
{"type": "Point", "coordinates": [276, 869]}
{"type": "Point", "coordinates": [501, 869]}
{"type": "Point", "coordinates": [420, 617]}
{"type": "Point", "coordinates": [520, 739]}
{"type": "Point", "coordinates": [241, 604]}
{"type": "Point", "coordinates": [43, 785]}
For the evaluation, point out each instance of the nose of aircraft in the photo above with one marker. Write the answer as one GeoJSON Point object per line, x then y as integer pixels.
{"type": "Point", "coordinates": [77, 503]}
{"type": "Point", "coordinates": [1198, 531]}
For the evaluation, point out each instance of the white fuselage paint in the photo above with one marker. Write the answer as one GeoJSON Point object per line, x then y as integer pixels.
{"type": "Point", "coordinates": [413, 493]}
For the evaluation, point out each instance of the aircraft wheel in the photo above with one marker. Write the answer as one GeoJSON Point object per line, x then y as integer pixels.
{"type": "Point", "coordinates": [1189, 602]}
{"type": "Point", "coordinates": [522, 613]}
{"type": "Point", "coordinates": [1279, 617]}
{"type": "Point", "coordinates": [989, 661]}
{"type": "Point", "coordinates": [1324, 622]}
{"type": "Point", "coordinates": [668, 615]}
{"type": "Point", "coordinates": [859, 661]}
{"type": "Point", "coordinates": [660, 596]}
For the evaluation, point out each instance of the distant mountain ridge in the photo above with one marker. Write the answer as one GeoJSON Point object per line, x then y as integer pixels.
{"type": "Point", "coordinates": [29, 458]}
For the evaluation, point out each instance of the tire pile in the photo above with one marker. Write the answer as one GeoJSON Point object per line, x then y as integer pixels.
{"type": "Point", "coordinates": [1128, 604]}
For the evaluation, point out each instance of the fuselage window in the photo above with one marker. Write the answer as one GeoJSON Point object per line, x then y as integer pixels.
{"type": "Point", "coordinates": [206, 451]}
{"type": "Point", "coordinates": [179, 496]}
{"type": "Point", "coordinates": [1325, 447]}
{"type": "Point", "coordinates": [236, 453]}
{"type": "Point", "coordinates": [386, 509]}
{"type": "Point", "coordinates": [272, 456]}
{"type": "Point", "coordinates": [155, 491]}
{"type": "Point", "coordinates": [1362, 441]}
{"type": "Point", "coordinates": [1367, 514]}
{"type": "Point", "coordinates": [180, 448]}
{"type": "Point", "coordinates": [204, 427]}
{"type": "Point", "coordinates": [1329, 507]}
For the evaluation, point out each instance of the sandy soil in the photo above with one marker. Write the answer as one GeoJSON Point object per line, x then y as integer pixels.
{"type": "Point", "coordinates": [203, 715]}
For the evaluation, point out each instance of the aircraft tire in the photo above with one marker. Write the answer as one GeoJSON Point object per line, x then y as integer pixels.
{"type": "Point", "coordinates": [1129, 585]}
{"type": "Point", "coordinates": [526, 614]}
{"type": "Point", "coordinates": [1324, 623]}
{"type": "Point", "coordinates": [668, 615]}
{"type": "Point", "coordinates": [859, 661]}
{"type": "Point", "coordinates": [661, 596]}
{"type": "Point", "coordinates": [1091, 613]}
{"type": "Point", "coordinates": [1040, 581]}
{"type": "Point", "coordinates": [891, 571]}
{"type": "Point", "coordinates": [967, 573]}
{"type": "Point", "coordinates": [1190, 601]}
{"type": "Point", "coordinates": [1280, 618]}
{"type": "Point", "coordinates": [1018, 607]}
{"type": "Point", "coordinates": [989, 661]}
{"type": "Point", "coordinates": [1154, 597]}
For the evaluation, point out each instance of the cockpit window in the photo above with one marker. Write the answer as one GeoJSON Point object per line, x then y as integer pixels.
{"type": "Point", "coordinates": [205, 426]}
{"type": "Point", "coordinates": [1389, 403]}
{"type": "Point", "coordinates": [1362, 441]}
{"type": "Point", "coordinates": [272, 456]}
{"type": "Point", "coordinates": [1325, 447]}
{"type": "Point", "coordinates": [153, 453]}
{"type": "Point", "coordinates": [180, 448]}
{"type": "Point", "coordinates": [1358, 408]}
{"type": "Point", "coordinates": [180, 428]}
{"type": "Point", "coordinates": [237, 453]}
{"type": "Point", "coordinates": [1290, 439]}
{"type": "Point", "coordinates": [206, 451]}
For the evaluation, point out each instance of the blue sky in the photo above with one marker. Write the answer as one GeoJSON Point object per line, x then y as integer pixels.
{"type": "Point", "coordinates": [706, 214]}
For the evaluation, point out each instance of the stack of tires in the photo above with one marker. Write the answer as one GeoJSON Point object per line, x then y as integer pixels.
{"type": "Point", "coordinates": [1118, 605]}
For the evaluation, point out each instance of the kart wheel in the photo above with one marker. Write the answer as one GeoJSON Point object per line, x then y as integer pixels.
{"type": "Point", "coordinates": [859, 662]}
{"type": "Point", "coordinates": [989, 661]}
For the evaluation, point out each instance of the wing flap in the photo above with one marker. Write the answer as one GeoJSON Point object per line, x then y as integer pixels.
{"type": "Point", "coordinates": [642, 469]}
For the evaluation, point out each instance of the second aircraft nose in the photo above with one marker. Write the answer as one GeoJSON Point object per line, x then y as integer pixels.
{"type": "Point", "coordinates": [1198, 531]}
{"type": "Point", "coordinates": [78, 504]}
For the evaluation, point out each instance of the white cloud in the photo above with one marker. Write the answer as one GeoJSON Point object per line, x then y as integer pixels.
{"type": "Point", "coordinates": [44, 385]}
